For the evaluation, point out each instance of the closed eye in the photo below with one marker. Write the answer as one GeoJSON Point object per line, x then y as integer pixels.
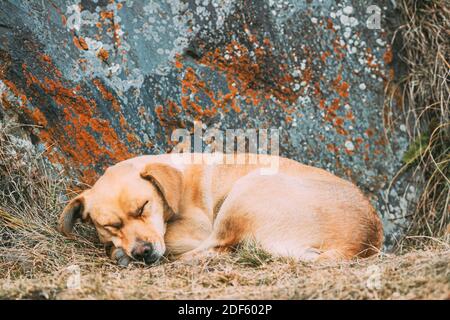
{"type": "Point", "coordinates": [141, 210]}
{"type": "Point", "coordinates": [113, 226]}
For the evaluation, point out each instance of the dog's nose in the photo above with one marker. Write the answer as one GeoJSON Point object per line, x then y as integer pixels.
{"type": "Point", "coordinates": [145, 251]}
{"type": "Point", "coordinates": [142, 249]}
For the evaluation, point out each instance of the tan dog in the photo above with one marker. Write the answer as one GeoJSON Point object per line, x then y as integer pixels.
{"type": "Point", "coordinates": [151, 206]}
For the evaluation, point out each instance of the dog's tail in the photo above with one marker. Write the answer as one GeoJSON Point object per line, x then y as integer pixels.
{"type": "Point", "coordinates": [374, 235]}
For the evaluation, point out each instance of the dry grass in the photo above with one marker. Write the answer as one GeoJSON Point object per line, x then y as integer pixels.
{"type": "Point", "coordinates": [424, 34]}
{"type": "Point", "coordinates": [31, 198]}
{"type": "Point", "coordinates": [415, 275]}
{"type": "Point", "coordinates": [35, 260]}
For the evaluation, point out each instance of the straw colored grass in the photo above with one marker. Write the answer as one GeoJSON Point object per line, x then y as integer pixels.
{"type": "Point", "coordinates": [425, 99]}
{"type": "Point", "coordinates": [415, 275]}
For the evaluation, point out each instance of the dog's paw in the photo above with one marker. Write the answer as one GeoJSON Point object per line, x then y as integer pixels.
{"type": "Point", "coordinates": [118, 255]}
{"type": "Point", "coordinates": [121, 257]}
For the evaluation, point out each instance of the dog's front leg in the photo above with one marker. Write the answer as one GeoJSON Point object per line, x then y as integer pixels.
{"type": "Point", "coordinates": [117, 254]}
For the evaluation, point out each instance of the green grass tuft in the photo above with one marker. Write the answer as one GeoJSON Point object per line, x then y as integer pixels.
{"type": "Point", "coordinates": [251, 254]}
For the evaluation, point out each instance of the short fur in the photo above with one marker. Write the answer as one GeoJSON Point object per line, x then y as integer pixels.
{"type": "Point", "coordinates": [187, 209]}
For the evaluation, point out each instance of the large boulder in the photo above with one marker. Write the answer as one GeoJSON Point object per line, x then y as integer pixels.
{"type": "Point", "coordinates": [102, 81]}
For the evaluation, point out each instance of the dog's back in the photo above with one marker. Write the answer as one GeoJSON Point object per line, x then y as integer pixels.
{"type": "Point", "coordinates": [302, 216]}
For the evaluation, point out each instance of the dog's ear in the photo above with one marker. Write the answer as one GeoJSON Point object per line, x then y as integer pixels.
{"type": "Point", "coordinates": [169, 182]}
{"type": "Point", "coordinates": [74, 211]}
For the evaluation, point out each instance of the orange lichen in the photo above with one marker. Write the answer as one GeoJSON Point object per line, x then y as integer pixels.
{"type": "Point", "coordinates": [391, 75]}
{"type": "Point", "coordinates": [48, 65]}
{"type": "Point", "coordinates": [317, 90]}
{"type": "Point", "coordinates": [103, 54]}
{"type": "Point", "coordinates": [371, 61]}
{"type": "Point", "coordinates": [46, 58]}
{"type": "Point", "coordinates": [341, 131]}
{"type": "Point", "coordinates": [330, 25]}
{"type": "Point", "coordinates": [11, 86]}
{"type": "Point", "coordinates": [335, 105]}
{"type": "Point", "coordinates": [158, 111]}
{"type": "Point", "coordinates": [358, 141]}
{"type": "Point", "coordinates": [349, 115]}
{"type": "Point", "coordinates": [37, 116]}
{"type": "Point", "coordinates": [167, 118]}
{"type": "Point", "coordinates": [107, 95]}
{"type": "Point", "coordinates": [106, 15]}
{"type": "Point", "coordinates": [338, 49]}
{"type": "Point", "coordinates": [109, 15]}
{"type": "Point", "coordinates": [84, 140]}
{"type": "Point", "coordinates": [324, 56]}
{"type": "Point", "coordinates": [340, 86]}
{"type": "Point", "coordinates": [388, 55]}
{"type": "Point", "coordinates": [369, 132]}
{"type": "Point", "coordinates": [339, 122]}
{"type": "Point", "coordinates": [343, 89]}
{"type": "Point", "coordinates": [332, 148]}
{"type": "Point", "coordinates": [80, 43]}
{"type": "Point", "coordinates": [173, 108]}
{"type": "Point", "coordinates": [4, 101]}
{"type": "Point", "coordinates": [322, 104]}
{"type": "Point", "coordinates": [243, 76]}
{"type": "Point", "coordinates": [82, 132]}
{"type": "Point", "coordinates": [178, 63]}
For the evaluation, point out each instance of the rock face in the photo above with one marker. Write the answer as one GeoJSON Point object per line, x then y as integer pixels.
{"type": "Point", "coordinates": [105, 80]}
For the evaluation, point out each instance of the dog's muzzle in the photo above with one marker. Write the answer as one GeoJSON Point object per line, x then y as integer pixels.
{"type": "Point", "coordinates": [145, 251]}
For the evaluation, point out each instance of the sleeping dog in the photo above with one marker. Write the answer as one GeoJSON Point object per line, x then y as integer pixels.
{"type": "Point", "coordinates": [152, 206]}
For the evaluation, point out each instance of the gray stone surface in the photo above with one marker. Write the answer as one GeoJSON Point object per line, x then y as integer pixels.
{"type": "Point", "coordinates": [106, 80]}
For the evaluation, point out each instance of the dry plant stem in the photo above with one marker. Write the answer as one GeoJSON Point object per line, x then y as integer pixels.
{"type": "Point", "coordinates": [426, 98]}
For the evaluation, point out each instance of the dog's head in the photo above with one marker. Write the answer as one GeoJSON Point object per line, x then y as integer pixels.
{"type": "Point", "coordinates": [129, 207]}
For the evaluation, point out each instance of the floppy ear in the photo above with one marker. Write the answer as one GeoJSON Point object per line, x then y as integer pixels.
{"type": "Point", "coordinates": [168, 180]}
{"type": "Point", "coordinates": [74, 211]}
